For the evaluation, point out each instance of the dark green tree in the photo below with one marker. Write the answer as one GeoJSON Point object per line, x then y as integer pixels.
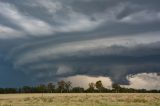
{"type": "Point", "coordinates": [26, 89]}
{"type": "Point", "coordinates": [50, 88]}
{"type": "Point", "coordinates": [116, 87]}
{"type": "Point", "coordinates": [77, 90]}
{"type": "Point", "coordinates": [91, 87]}
{"type": "Point", "coordinates": [99, 85]}
{"type": "Point", "coordinates": [41, 88]}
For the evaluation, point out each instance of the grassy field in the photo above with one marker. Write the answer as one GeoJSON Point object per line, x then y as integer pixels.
{"type": "Point", "coordinates": [108, 99]}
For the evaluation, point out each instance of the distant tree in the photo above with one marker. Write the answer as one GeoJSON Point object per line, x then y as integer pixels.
{"type": "Point", "coordinates": [50, 88]}
{"type": "Point", "coordinates": [10, 90]}
{"type": "Point", "coordinates": [91, 87]}
{"type": "Point", "coordinates": [68, 85]}
{"type": "Point", "coordinates": [26, 89]}
{"type": "Point", "coordinates": [143, 90]}
{"type": "Point", "coordinates": [42, 88]}
{"type": "Point", "coordinates": [116, 87]}
{"type": "Point", "coordinates": [61, 86]}
{"type": "Point", "coordinates": [77, 90]}
{"type": "Point", "coordinates": [1, 90]}
{"type": "Point", "coordinates": [99, 85]}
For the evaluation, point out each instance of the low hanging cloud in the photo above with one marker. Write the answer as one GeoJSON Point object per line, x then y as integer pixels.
{"type": "Point", "coordinates": [55, 39]}
{"type": "Point", "coordinates": [144, 81]}
{"type": "Point", "coordinates": [100, 57]}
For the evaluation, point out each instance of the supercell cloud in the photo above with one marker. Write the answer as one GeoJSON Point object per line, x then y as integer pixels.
{"type": "Point", "coordinates": [49, 40]}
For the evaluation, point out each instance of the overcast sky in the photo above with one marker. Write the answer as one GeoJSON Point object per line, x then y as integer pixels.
{"type": "Point", "coordinates": [117, 41]}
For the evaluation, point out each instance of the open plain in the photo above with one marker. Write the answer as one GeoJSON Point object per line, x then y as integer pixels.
{"type": "Point", "coordinates": [81, 99]}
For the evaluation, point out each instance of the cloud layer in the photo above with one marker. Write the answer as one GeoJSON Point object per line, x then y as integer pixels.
{"type": "Point", "coordinates": [54, 39]}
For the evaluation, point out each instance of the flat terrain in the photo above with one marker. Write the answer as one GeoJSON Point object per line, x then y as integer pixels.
{"type": "Point", "coordinates": [108, 99]}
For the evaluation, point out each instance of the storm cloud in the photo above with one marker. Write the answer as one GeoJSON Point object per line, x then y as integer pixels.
{"type": "Point", "coordinates": [43, 41]}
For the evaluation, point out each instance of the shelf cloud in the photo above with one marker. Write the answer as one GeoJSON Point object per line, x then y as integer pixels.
{"type": "Point", "coordinates": [43, 41]}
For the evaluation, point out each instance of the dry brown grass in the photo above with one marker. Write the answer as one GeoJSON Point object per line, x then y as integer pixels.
{"type": "Point", "coordinates": [108, 99]}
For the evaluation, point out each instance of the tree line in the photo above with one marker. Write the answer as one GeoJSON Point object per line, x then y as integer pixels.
{"type": "Point", "coordinates": [66, 87]}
